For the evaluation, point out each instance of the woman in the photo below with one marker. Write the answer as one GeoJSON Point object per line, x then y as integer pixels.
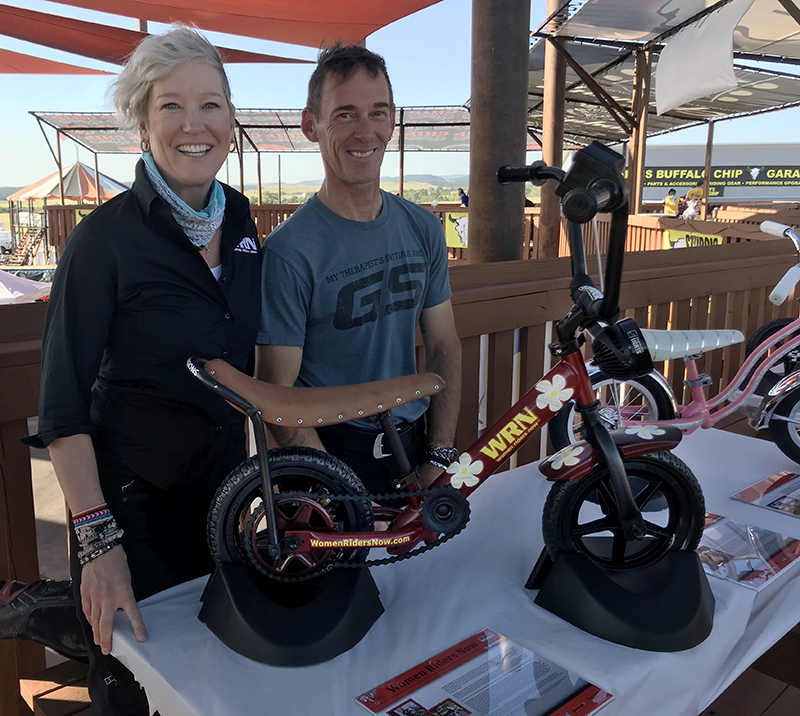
{"type": "Point", "coordinates": [162, 272]}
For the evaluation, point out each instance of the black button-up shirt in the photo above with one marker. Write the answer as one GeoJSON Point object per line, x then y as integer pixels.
{"type": "Point", "coordinates": [132, 299]}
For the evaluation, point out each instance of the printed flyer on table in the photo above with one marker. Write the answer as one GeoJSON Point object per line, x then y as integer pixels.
{"type": "Point", "coordinates": [485, 675]}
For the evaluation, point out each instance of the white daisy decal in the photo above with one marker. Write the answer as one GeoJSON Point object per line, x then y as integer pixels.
{"type": "Point", "coordinates": [568, 456]}
{"type": "Point", "coordinates": [465, 472]}
{"type": "Point", "coordinates": [644, 431]}
{"type": "Point", "coordinates": [553, 395]}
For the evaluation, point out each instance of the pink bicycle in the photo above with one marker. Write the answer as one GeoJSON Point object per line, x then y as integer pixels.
{"type": "Point", "coordinates": [766, 388]}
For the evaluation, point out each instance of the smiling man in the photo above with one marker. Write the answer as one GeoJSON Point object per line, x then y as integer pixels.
{"type": "Point", "coordinates": [347, 279]}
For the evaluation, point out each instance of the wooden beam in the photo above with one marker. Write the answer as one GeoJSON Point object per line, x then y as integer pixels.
{"type": "Point", "coordinates": [555, 77]}
{"type": "Point", "coordinates": [498, 115]}
{"type": "Point", "coordinates": [640, 104]}
{"type": "Point", "coordinates": [707, 171]}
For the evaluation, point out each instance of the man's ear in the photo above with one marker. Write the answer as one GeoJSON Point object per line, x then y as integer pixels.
{"type": "Point", "coordinates": [308, 124]}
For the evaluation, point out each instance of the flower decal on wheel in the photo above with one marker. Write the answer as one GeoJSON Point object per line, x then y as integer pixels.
{"type": "Point", "coordinates": [648, 432]}
{"type": "Point", "coordinates": [568, 456]}
{"type": "Point", "coordinates": [465, 472]}
{"type": "Point", "coordinates": [553, 395]}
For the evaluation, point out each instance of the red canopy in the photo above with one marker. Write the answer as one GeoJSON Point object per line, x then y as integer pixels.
{"type": "Point", "coordinates": [90, 39]}
{"type": "Point", "coordinates": [78, 181]}
{"type": "Point", "coordinates": [310, 22]}
{"type": "Point", "coordinates": [15, 62]}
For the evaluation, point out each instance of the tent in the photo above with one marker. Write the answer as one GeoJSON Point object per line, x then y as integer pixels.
{"type": "Point", "coordinates": [79, 184]}
{"type": "Point", "coordinates": [14, 289]}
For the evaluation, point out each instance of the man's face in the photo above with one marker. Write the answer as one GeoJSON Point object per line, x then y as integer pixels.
{"type": "Point", "coordinates": [355, 123]}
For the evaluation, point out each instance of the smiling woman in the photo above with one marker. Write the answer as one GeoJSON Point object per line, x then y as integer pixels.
{"type": "Point", "coordinates": [158, 274]}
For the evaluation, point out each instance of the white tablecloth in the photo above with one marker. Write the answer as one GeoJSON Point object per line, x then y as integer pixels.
{"type": "Point", "coordinates": [472, 582]}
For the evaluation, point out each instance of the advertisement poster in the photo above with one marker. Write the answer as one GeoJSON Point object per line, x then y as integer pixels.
{"type": "Point", "coordinates": [455, 229]}
{"type": "Point", "coordinates": [485, 675]}
{"type": "Point", "coordinates": [681, 239]}
{"type": "Point", "coordinates": [779, 492]}
{"type": "Point", "coordinates": [748, 555]}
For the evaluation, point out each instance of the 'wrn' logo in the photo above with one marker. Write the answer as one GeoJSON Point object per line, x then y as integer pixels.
{"type": "Point", "coordinates": [247, 246]}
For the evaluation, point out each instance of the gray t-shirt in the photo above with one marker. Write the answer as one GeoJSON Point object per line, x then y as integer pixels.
{"type": "Point", "coordinates": [350, 293]}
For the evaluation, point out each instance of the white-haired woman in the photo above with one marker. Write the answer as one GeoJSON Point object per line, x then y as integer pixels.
{"type": "Point", "coordinates": [164, 271]}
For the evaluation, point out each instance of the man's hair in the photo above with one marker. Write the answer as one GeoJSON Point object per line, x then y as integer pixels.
{"type": "Point", "coordinates": [699, 182]}
{"type": "Point", "coordinates": [340, 62]}
{"type": "Point", "coordinates": [671, 191]}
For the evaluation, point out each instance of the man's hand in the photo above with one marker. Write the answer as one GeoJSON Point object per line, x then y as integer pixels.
{"type": "Point", "coordinates": [105, 588]}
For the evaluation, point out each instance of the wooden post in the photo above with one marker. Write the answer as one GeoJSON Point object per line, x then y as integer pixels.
{"type": "Point", "coordinates": [707, 171]}
{"type": "Point", "coordinates": [141, 25]}
{"type": "Point", "coordinates": [498, 112]}
{"type": "Point", "coordinates": [555, 74]}
{"type": "Point", "coordinates": [401, 139]}
{"type": "Point", "coordinates": [640, 103]}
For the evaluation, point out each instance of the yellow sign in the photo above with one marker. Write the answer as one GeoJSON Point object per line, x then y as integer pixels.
{"type": "Point", "coordinates": [455, 229]}
{"type": "Point", "coordinates": [679, 239]}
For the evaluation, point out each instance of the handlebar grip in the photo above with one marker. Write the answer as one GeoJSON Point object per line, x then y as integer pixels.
{"type": "Point", "coordinates": [784, 287]}
{"type": "Point", "coordinates": [509, 174]}
{"type": "Point", "coordinates": [773, 228]}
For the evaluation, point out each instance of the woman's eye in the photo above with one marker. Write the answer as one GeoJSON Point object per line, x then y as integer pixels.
{"type": "Point", "coordinates": [211, 105]}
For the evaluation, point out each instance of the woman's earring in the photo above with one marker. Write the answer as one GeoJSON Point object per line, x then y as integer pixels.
{"type": "Point", "coordinates": [145, 145]}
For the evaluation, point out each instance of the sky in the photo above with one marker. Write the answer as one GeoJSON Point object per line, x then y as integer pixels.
{"type": "Point", "coordinates": [427, 54]}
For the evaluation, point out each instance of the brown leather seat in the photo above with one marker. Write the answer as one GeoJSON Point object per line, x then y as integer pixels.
{"type": "Point", "coordinates": [315, 407]}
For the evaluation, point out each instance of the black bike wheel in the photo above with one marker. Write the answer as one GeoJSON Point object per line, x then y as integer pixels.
{"type": "Point", "coordinates": [582, 515]}
{"type": "Point", "coordinates": [638, 399]}
{"type": "Point", "coordinates": [237, 523]}
{"type": "Point", "coordinates": [786, 433]}
{"type": "Point", "coordinates": [789, 363]}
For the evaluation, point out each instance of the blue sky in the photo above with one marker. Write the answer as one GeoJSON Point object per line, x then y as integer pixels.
{"type": "Point", "coordinates": [428, 55]}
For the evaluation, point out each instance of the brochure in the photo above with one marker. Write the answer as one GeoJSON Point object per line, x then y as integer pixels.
{"type": "Point", "coordinates": [779, 492]}
{"type": "Point", "coordinates": [746, 554]}
{"type": "Point", "coordinates": [485, 675]}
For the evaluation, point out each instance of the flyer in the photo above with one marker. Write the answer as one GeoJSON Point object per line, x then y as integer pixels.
{"type": "Point", "coordinates": [485, 675]}
{"type": "Point", "coordinates": [779, 492]}
{"type": "Point", "coordinates": [745, 554]}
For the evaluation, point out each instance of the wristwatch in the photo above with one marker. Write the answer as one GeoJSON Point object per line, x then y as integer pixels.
{"type": "Point", "coordinates": [441, 457]}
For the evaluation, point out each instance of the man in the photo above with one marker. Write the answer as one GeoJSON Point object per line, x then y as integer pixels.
{"type": "Point", "coordinates": [696, 192]}
{"type": "Point", "coordinates": [347, 279]}
{"type": "Point", "coordinates": [671, 203]}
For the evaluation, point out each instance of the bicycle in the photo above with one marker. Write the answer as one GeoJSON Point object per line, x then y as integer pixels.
{"type": "Point", "coordinates": [766, 388]}
{"type": "Point", "coordinates": [295, 514]}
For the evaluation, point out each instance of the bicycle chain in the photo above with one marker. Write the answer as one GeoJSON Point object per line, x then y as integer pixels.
{"type": "Point", "coordinates": [338, 564]}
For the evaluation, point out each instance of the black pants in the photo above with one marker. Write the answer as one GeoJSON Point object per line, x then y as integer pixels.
{"type": "Point", "coordinates": [165, 544]}
{"type": "Point", "coordinates": [353, 446]}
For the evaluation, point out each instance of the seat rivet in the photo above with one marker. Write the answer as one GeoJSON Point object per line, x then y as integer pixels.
{"type": "Point", "coordinates": [341, 416]}
{"type": "Point", "coordinates": [380, 407]}
{"type": "Point", "coordinates": [299, 420]}
{"type": "Point", "coordinates": [277, 420]}
{"type": "Point", "coordinates": [417, 392]}
{"type": "Point", "coordinates": [436, 387]}
{"type": "Point", "coordinates": [399, 400]}
{"type": "Point", "coordinates": [213, 372]}
{"type": "Point", "coordinates": [319, 420]}
{"type": "Point", "coordinates": [360, 412]}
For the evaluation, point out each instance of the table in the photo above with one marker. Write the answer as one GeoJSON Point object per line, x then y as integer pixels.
{"type": "Point", "coordinates": [472, 582]}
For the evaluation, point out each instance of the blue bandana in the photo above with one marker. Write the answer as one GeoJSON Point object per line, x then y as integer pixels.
{"type": "Point", "coordinates": [200, 226]}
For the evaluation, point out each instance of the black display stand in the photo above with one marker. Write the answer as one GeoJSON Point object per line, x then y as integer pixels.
{"type": "Point", "coordinates": [290, 624]}
{"type": "Point", "coordinates": [665, 607]}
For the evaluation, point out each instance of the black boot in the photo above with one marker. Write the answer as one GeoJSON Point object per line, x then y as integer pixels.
{"type": "Point", "coordinates": [44, 612]}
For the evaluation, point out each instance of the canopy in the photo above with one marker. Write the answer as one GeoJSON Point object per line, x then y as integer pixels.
{"type": "Point", "coordinates": [14, 289]}
{"type": "Point", "coordinates": [311, 22]}
{"type": "Point", "coordinates": [90, 39]}
{"type": "Point", "coordinates": [17, 63]}
{"type": "Point", "coordinates": [79, 183]}
{"type": "Point", "coordinates": [758, 91]}
{"type": "Point", "coordinates": [431, 129]}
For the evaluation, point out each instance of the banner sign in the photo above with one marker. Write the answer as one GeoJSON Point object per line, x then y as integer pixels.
{"type": "Point", "coordinates": [725, 176]}
{"type": "Point", "coordinates": [455, 229]}
{"type": "Point", "coordinates": [681, 239]}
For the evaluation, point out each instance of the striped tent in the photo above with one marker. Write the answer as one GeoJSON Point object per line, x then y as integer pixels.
{"type": "Point", "coordinates": [79, 184]}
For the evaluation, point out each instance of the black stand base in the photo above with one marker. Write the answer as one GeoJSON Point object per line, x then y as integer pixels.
{"type": "Point", "coordinates": [666, 607]}
{"type": "Point", "coordinates": [287, 624]}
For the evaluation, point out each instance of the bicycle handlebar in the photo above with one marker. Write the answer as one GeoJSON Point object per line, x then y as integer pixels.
{"type": "Point", "coordinates": [782, 231]}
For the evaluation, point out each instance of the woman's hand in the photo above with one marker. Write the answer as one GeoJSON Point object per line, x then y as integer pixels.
{"type": "Point", "coordinates": [105, 588]}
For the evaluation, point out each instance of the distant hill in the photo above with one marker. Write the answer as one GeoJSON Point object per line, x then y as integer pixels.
{"type": "Point", "coordinates": [416, 181]}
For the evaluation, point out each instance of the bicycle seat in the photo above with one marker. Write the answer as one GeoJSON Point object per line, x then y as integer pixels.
{"type": "Point", "coordinates": [666, 345]}
{"type": "Point", "coordinates": [316, 407]}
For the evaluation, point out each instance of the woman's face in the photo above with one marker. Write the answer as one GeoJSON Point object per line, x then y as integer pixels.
{"type": "Point", "coordinates": [189, 127]}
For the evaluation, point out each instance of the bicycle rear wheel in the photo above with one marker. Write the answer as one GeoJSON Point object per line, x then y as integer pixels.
{"type": "Point", "coordinates": [638, 399]}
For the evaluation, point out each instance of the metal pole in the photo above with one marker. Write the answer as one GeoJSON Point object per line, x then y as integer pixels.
{"type": "Point", "coordinates": [498, 112]}
{"type": "Point", "coordinates": [258, 169]}
{"type": "Point", "coordinates": [60, 172]}
{"type": "Point", "coordinates": [707, 171]}
{"type": "Point", "coordinates": [402, 144]}
{"type": "Point", "coordinates": [240, 150]}
{"type": "Point", "coordinates": [555, 75]}
{"type": "Point", "coordinates": [141, 25]}
{"type": "Point", "coordinates": [280, 194]}
{"type": "Point", "coordinates": [96, 180]}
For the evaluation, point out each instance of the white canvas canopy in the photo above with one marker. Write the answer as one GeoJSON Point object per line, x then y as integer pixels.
{"type": "Point", "coordinates": [14, 289]}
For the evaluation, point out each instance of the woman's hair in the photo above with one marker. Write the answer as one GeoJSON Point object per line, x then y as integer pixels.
{"type": "Point", "coordinates": [153, 59]}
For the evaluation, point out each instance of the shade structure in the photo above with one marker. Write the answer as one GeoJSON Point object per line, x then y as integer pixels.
{"type": "Point", "coordinates": [90, 39]}
{"type": "Point", "coordinates": [311, 22]}
{"type": "Point", "coordinates": [79, 183]}
{"type": "Point", "coordinates": [17, 63]}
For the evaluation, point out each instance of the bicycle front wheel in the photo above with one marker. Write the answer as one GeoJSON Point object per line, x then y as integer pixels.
{"type": "Point", "coordinates": [637, 399]}
{"type": "Point", "coordinates": [582, 515]}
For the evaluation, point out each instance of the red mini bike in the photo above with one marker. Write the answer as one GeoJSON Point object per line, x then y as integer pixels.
{"type": "Point", "coordinates": [619, 497]}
